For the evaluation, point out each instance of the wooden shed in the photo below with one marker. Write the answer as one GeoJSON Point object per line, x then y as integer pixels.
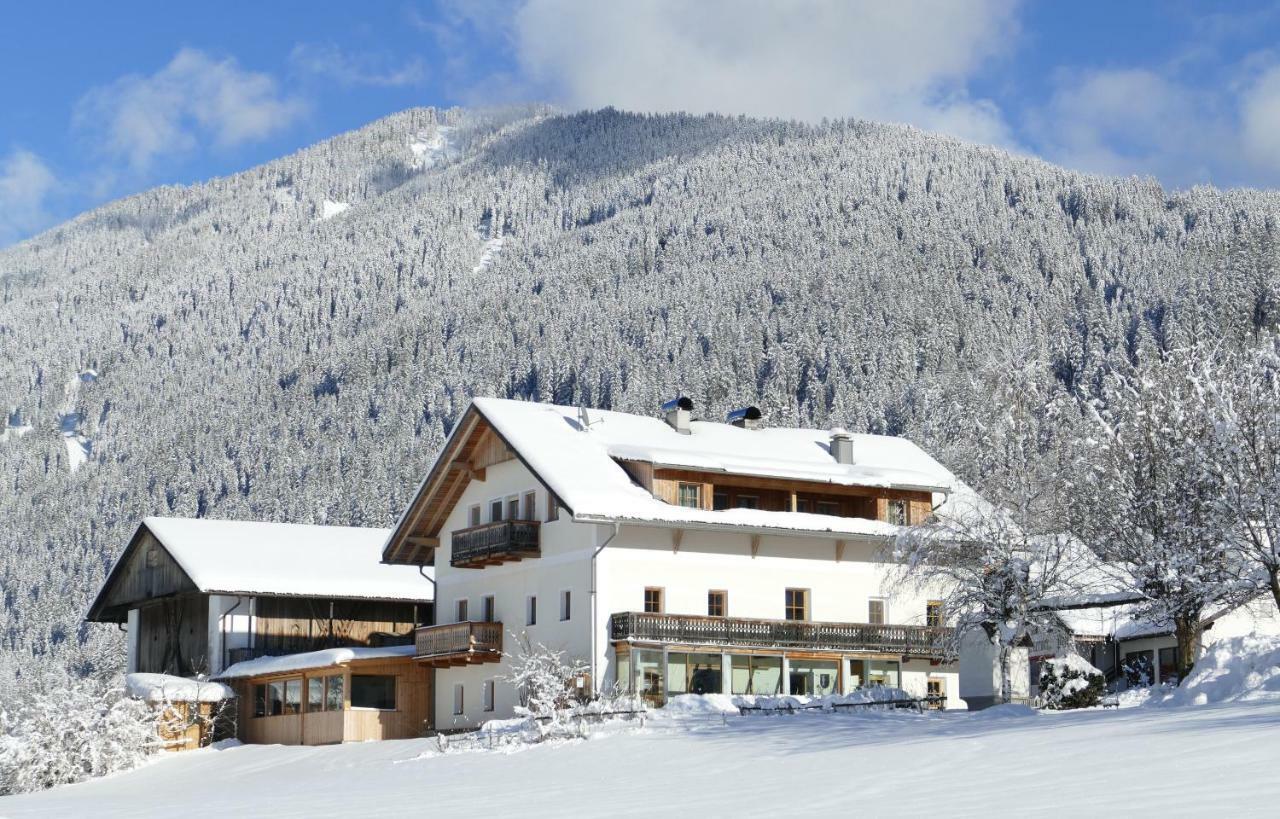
{"type": "Point", "coordinates": [331, 696]}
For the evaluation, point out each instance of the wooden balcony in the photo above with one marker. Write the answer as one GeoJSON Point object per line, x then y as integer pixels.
{"type": "Point", "coordinates": [458, 644]}
{"type": "Point", "coordinates": [490, 544]}
{"type": "Point", "coordinates": [928, 642]}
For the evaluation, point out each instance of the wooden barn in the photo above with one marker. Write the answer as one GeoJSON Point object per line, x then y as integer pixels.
{"type": "Point", "coordinates": [199, 595]}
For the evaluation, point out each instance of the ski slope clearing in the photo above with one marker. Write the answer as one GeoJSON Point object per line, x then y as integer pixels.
{"type": "Point", "coordinates": [1008, 760]}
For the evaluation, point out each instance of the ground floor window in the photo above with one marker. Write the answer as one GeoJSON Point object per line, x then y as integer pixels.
{"type": "Point", "coordinates": [755, 675]}
{"type": "Point", "coordinates": [373, 691]}
{"type": "Point", "coordinates": [458, 703]}
{"type": "Point", "coordinates": [936, 690]}
{"type": "Point", "coordinates": [488, 695]}
{"type": "Point", "coordinates": [814, 678]}
{"type": "Point", "coordinates": [872, 673]}
{"type": "Point", "coordinates": [1168, 665]}
{"type": "Point", "coordinates": [324, 693]}
{"type": "Point", "coordinates": [650, 677]}
{"type": "Point", "coordinates": [693, 673]}
{"type": "Point", "coordinates": [278, 698]}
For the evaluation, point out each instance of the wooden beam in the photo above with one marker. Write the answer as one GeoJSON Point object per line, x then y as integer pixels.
{"type": "Point", "coordinates": [755, 546]}
{"type": "Point", "coordinates": [839, 550]}
{"type": "Point", "coordinates": [793, 500]}
{"type": "Point", "coordinates": [677, 535]}
{"type": "Point", "coordinates": [424, 542]}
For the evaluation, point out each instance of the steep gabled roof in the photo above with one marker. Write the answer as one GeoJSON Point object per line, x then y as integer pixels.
{"type": "Point", "coordinates": [268, 559]}
{"type": "Point", "coordinates": [581, 466]}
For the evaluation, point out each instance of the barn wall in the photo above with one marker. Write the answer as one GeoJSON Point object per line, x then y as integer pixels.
{"type": "Point", "coordinates": [173, 634]}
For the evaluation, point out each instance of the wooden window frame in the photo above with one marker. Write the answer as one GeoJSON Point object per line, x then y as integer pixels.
{"type": "Point", "coordinates": [488, 609]}
{"type": "Point", "coordinates": [872, 603]}
{"type": "Point", "coordinates": [787, 606]}
{"type": "Point", "coordinates": [723, 602]}
{"type": "Point", "coordinates": [658, 595]}
{"type": "Point", "coordinates": [934, 614]}
{"type": "Point", "coordinates": [529, 505]}
{"type": "Point", "coordinates": [681, 486]}
{"type": "Point", "coordinates": [553, 507]}
{"type": "Point", "coordinates": [513, 507]}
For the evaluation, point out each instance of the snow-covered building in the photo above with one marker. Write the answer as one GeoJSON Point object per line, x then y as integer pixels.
{"type": "Point", "coordinates": [670, 555]}
{"type": "Point", "coordinates": [198, 595]}
{"type": "Point", "coordinates": [1130, 650]}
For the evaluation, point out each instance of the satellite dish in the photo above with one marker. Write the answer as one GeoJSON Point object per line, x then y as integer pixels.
{"type": "Point", "coordinates": [583, 419]}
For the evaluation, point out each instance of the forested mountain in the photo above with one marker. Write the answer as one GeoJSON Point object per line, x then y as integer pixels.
{"type": "Point", "coordinates": [294, 342]}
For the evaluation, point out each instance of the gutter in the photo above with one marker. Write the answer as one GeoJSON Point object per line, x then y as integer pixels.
{"type": "Point", "coordinates": [595, 683]}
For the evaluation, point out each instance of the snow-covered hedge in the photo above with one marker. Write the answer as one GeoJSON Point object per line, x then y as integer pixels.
{"type": "Point", "coordinates": [72, 729]}
{"type": "Point", "coordinates": [1070, 682]}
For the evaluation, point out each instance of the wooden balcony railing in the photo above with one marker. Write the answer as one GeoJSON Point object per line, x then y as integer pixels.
{"type": "Point", "coordinates": [459, 643]}
{"type": "Point", "coordinates": [931, 642]}
{"type": "Point", "coordinates": [490, 544]}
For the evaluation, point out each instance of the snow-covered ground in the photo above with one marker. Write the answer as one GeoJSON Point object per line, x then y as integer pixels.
{"type": "Point", "coordinates": [330, 209]}
{"type": "Point", "coordinates": [1180, 761]}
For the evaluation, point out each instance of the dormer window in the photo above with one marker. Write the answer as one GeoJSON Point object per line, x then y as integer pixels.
{"type": "Point", "coordinates": [690, 495]}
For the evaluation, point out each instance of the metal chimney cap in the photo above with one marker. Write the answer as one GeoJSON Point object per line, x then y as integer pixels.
{"type": "Point", "coordinates": [682, 403]}
{"type": "Point", "coordinates": [743, 414]}
{"type": "Point", "coordinates": [840, 432]}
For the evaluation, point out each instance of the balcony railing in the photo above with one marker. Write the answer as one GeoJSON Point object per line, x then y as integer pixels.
{"type": "Point", "coordinates": [931, 642]}
{"type": "Point", "coordinates": [489, 544]}
{"type": "Point", "coordinates": [459, 643]}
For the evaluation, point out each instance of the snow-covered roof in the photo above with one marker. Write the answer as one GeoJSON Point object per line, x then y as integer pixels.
{"type": "Point", "coordinates": [168, 688]}
{"type": "Point", "coordinates": [251, 557]}
{"type": "Point", "coordinates": [325, 658]}
{"type": "Point", "coordinates": [580, 464]}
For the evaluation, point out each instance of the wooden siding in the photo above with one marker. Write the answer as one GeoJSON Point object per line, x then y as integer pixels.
{"type": "Point", "coordinates": [490, 450]}
{"type": "Point", "coordinates": [173, 635]}
{"type": "Point", "coordinates": [776, 495]}
{"type": "Point", "coordinates": [287, 625]}
{"type": "Point", "coordinates": [145, 572]}
{"type": "Point", "coordinates": [409, 719]}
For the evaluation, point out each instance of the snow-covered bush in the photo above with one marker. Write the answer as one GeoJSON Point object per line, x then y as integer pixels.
{"type": "Point", "coordinates": [1070, 682]}
{"type": "Point", "coordinates": [547, 683]}
{"type": "Point", "coordinates": [71, 729]}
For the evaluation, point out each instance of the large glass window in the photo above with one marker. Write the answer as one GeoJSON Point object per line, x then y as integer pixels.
{"type": "Point", "coordinates": [293, 696]}
{"type": "Point", "coordinates": [275, 699]}
{"type": "Point", "coordinates": [883, 672]}
{"type": "Point", "coordinates": [333, 692]}
{"type": "Point", "coordinates": [315, 694]}
{"type": "Point", "coordinates": [813, 678]}
{"type": "Point", "coordinates": [690, 495]}
{"type": "Point", "coordinates": [797, 604]}
{"type": "Point", "coordinates": [756, 675]}
{"type": "Point", "coordinates": [260, 700]}
{"type": "Point", "coordinates": [373, 691]}
{"type": "Point", "coordinates": [649, 675]}
{"type": "Point", "coordinates": [693, 673]}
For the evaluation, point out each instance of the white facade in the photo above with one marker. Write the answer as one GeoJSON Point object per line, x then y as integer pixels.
{"type": "Point", "coordinates": [633, 558]}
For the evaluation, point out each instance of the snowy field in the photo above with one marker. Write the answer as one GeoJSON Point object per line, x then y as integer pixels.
{"type": "Point", "coordinates": [1218, 759]}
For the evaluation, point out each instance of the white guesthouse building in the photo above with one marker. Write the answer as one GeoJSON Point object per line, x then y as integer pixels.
{"type": "Point", "coordinates": [670, 556]}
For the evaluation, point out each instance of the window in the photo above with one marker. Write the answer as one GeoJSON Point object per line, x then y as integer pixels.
{"type": "Point", "coordinates": [827, 508]}
{"type": "Point", "coordinates": [1167, 658]}
{"type": "Point", "coordinates": [487, 606]}
{"type": "Point", "coordinates": [373, 691]}
{"type": "Point", "coordinates": [462, 611]}
{"type": "Point", "coordinates": [553, 507]}
{"type": "Point", "coordinates": [690, 495]}
{"type": "Point", "coordinates": [717, 603]}
{"type": "Point", "coordinates": [797, 604]}
{"type": "Point", "coordinates": [875, 612]}
{"type": "Point", "coordinates": [933, 613]}
{"type": "Point", "coordinates": [530, 506]}
{"type": "Point", "coordinates": [473, 516]}
{"type": "Point", "coordinates": [652, 600]}
{"type": "Point", "coordinates": [896, 512]}
{"type": "Point", "coordinates": [333, 693]}
{"type": "Point", "coordinates": [719, 500]}
{"type": "Point", "coordinates": [565, 607]}
{"type": "Point", "coordinates": [748, 502]}
{"type": "Point", "coordinates": [936, 691]}
{"type": "Point", "coordinates": [458, 704]}
{"type": "Point", "coordinates": [531, 611]}
{"type": "Point", "coordinates": [513, 508]}
{"type": "Point", "coordinates": [803, 505]}
{"type": "Point", "coordinates": [495, 511]}
{"type": "Point", "coordinates": [293, 696]}
{"type": "Point", "coordinates": [274, 700]}
{"type": "Point", "coordinates": [488, 695]}
{"type": "Point", "coordinates": [315, 694]}
{"type": "Point", "coordinates": [260, 700]}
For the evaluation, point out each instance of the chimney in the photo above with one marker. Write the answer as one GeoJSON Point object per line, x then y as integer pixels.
{"type": "Point", "coordinates": [677, 412]}
{"type": "Point", "coordinates": [746, 418]}
{"type": "Point", "coordinates": [841, 446]}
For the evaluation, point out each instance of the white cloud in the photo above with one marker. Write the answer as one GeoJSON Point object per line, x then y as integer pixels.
{"type": "Point", "coordinates": [906, 61]}
{"type": "Point", "coordinates": [328, 60]}
{"type": "Point", "coordinates": [195, 98]}
{"type": "Point", "coordinates": [1260, 121]}
{"type": "Point", "coordinates": [25, 185]}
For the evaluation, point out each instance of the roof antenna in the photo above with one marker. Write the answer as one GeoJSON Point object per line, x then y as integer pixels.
{"type": "Point", "coordinates": [584, 420]}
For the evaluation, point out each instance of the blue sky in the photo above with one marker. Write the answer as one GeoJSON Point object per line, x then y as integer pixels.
{"type": "Point", "coordinates": [104, 99]}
